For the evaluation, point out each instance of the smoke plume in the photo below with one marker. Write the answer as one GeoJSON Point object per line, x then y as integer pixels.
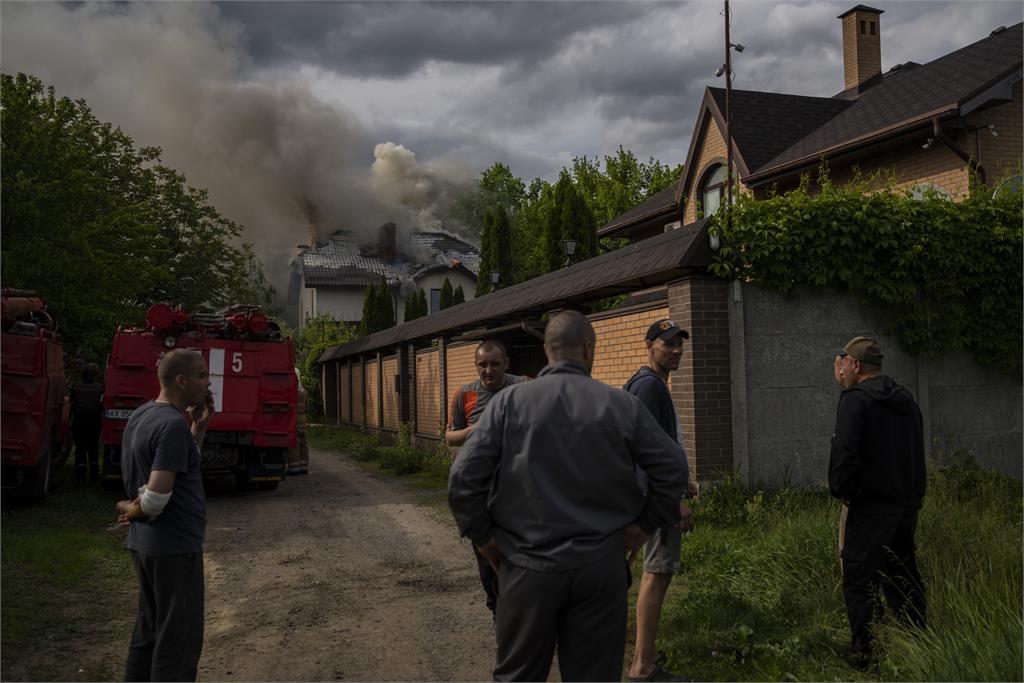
{"type": "Point", "coordinates": [274, 158]}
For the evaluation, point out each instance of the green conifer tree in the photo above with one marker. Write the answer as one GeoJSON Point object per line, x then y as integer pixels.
{"type": "Point", "coordinates": [483, 280]}
{"type": "Point", "coordinates": [385, 306]}
{"type": "Point", "coordinates": [446, 294]}
{"type": "Point", "coordinates": [422, 303]}
{"type": "Point", "coordinates": [368, 324]}
{"type": "Point", "coordinates": [459, 297]}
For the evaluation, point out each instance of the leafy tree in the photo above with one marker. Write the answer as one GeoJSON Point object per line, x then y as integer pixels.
{"type": "Point", "coordinates": [459, 297]}
{"type": "Point", "coordinates": [447, 294]}
{"type": "Point", "coordinates": [497, 186]}
{"type": "Point", "coordinates": [317, 335]}
{"type": "Point", "coordinates": [101, 229]}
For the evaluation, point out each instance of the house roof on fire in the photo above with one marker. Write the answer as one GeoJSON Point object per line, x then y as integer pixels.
{"type": "Point", "coordinates": [775, 134]}
{"type": "Point", "coordinates": [341, 261]}
{"type": "Point", "coordinates": [634, 267]}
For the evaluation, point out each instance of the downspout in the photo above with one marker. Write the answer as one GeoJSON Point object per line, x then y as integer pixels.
{"type": "Point", "coordinates": [972, 164]}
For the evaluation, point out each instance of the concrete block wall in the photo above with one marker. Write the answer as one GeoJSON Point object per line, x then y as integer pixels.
{"type": "Point", "coordinates": [785, 397]}
{"type": "Point", "coordinates": [620, 344]}
{"type": "Point", "coordinates": [390, 369]}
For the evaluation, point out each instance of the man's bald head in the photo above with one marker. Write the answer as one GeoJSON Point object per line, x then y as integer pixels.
{"type": "Point", "coordinates": [177, 363]}
{"type": "Point", "coordinates": [570, 336]}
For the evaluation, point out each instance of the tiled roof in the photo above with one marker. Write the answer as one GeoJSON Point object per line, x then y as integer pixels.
{"type": "Point", "coordinates": [765, 124]}
{"type": "Point", "coordinates": [637, 266]}
{"type": "Point", "coordinates": [341, 262]}
{"type": "Point", "coordinates": [912, 94]}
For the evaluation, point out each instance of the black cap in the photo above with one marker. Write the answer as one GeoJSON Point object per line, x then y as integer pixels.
{"type": "Point", "coordinates": [665, 329]}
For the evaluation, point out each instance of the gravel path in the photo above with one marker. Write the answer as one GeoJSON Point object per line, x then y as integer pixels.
{"type": "Point", "coordinates": [339, 576]}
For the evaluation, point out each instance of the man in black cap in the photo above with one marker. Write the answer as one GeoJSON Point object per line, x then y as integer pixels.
{"type": "Point", "coordinates": [661, 552]}
{"type": "Point", "coordinates": [877, 468]}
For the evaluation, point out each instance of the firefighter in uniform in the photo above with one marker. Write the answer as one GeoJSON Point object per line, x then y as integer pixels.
{"type": "Point", "coordinates": [86, 411]}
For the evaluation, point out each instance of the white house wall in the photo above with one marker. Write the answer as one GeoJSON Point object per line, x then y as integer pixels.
{"type": "Point", "coordinates": [436, 281]}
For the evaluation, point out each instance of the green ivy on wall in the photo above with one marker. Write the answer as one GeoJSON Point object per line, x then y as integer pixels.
{"type": "Point", "coordinates": [947, 275]}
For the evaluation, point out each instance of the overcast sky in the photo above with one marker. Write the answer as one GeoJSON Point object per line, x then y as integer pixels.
{"type": "Point", "coordinates": [305, 93]}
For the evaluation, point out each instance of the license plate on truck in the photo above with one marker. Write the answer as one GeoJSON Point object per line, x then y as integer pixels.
{"type": "Point", "coordinates": [118, 413]}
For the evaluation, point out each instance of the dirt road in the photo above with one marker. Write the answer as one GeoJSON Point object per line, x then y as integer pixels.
{"type": "Point", "coordinates": [338, 576]}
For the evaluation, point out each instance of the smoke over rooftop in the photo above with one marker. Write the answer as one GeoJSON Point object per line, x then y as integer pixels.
{"type": "Point", "coordinates": [176, 75]}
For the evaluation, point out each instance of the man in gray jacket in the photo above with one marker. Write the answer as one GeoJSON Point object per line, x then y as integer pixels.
{"type": "Point", "coordinates": [546, 488]}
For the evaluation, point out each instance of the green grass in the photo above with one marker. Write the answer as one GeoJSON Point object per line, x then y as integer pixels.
{"type": "Point", "coordinates": [760, 593]}
{"type": "Point", "coordinates": [759, 596]}
{"type": "Point", "coordinates": [67, 586]}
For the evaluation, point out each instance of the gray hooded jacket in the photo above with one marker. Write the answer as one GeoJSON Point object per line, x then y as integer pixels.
{"type": "Point", "coordinates": [549, 471]}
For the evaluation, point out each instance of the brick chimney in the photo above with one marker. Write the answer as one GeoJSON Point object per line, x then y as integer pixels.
{"type": "Point", "coordinates": [862, 45]}
{"type": "Point", "coordinates": [386, 243]}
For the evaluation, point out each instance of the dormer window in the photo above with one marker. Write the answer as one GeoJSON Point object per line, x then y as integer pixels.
{"type": "Point", "coordinates": [712, 190]}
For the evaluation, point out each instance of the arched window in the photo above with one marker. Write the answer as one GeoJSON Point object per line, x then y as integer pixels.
{"type": "Point", "coordinates": [712, 190]}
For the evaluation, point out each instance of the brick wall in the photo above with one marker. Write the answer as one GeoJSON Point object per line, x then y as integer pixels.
{"type": "Point", "coordinates": [461, 367]}
{"type": "Point", "coordinates": [343, 389]}
{"type": "Point", "coordinates": [372, 416]}
{"type": "Point", "coordinates": [1000, 155]}
{"type": "Point", "coordinates": [428, 392]}
{"type": "Point", "coordinates": [701, 388]}
{"type": "Point", "coordinates": [620, 345]}
{"type": "Point", "coordinates": [358, 393]}
{"type": "Point", "coordinates": [390, 365]}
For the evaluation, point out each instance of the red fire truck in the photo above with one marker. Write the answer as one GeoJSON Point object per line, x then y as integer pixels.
{"type": "Point", "coordinates": [252, 376]}
{"type": "Point", "coordinates": [33, 408]}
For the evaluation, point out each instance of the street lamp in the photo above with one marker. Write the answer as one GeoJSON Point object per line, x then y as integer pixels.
{"type": "Point", "coordinates": [495, 276]}
{"type": "Point", "coordinates": [569, 247]}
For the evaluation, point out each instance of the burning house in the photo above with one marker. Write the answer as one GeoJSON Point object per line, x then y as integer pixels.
{"type": "Point", "coordinates": [331, 275]}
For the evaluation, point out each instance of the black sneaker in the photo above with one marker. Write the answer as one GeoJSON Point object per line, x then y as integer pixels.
{"type": "Point", "coordinates": [659, 672]}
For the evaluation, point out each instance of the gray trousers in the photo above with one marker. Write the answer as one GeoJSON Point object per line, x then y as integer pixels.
{"type": "Point", "coordinates": [583, 611]}
{"type": "Point", "coordinates": [168, 636]}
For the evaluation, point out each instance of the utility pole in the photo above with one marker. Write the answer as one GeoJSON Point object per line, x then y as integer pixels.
{"type": "Point", "coordinates": [728, 122]}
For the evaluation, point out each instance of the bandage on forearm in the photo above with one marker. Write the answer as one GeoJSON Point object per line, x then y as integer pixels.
{"type": "Point", "coordinates": [151, 502]}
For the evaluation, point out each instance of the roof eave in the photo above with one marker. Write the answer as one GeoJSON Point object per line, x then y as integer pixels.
{"type": "Point", "coordinates": [764, 175]}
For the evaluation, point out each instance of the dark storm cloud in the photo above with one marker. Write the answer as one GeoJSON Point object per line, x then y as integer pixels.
{"type": "Point", "coordinates": [394, 39]}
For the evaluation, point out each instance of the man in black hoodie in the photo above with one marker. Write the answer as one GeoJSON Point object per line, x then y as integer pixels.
{"type": "Point", "coordinates": [877, 467]}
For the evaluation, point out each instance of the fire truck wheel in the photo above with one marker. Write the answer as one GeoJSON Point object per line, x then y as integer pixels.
{"type": "Point", "coordinates": [267, 485]}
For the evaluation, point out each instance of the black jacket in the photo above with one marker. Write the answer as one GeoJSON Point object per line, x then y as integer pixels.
{"type": "Point", "coordinates": [878, 445]}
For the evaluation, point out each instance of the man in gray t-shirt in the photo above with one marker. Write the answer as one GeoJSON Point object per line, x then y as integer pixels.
{"type": "Point", "coordinates": [166, 520]}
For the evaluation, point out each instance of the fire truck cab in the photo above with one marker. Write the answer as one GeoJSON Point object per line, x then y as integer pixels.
{"type": "Point", "coordinates": [34, 421]}
{"type": "Point", "coordinates": [252, 378]}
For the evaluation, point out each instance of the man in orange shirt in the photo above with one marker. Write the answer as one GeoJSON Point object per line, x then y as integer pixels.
{"type": "Point", "coordinates": [491, 361]}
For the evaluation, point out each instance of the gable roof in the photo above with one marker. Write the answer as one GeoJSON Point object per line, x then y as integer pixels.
{"type": "Point", "coordinates": [636, 266]}
{"type": "Point", "coordinates": [905, 98]}
{"type": "Point", "coordinates": [660, 204]}
{"type": "Point", "coordinates": [341, 262]}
